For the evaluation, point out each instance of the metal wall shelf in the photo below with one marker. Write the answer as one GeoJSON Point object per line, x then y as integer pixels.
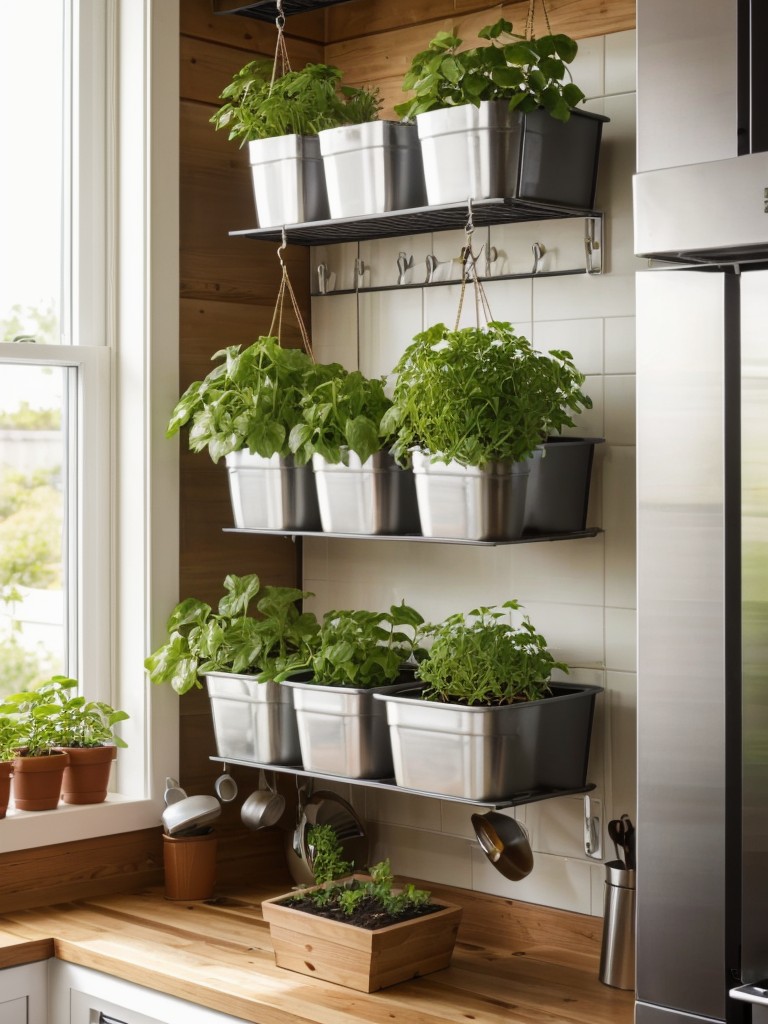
{"type": "Point", "coordinates": [536, 538]}
{"type": "Point", "coordinates": [419, 221]}
{"type": "Point", "coordinates": [515, 800]}
{"type": "Point", "coordinates": [266, 10]}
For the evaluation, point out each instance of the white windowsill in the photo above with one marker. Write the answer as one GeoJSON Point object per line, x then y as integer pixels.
{"type": "Point", "coordinates": [22, 830]}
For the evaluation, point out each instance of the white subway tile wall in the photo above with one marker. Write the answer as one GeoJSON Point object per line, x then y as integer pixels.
{"type": "Point", "coordinates": [580, 594]}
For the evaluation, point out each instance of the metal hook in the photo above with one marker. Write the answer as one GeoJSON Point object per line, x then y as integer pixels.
{"type": "Point", "coordinates": [281, 248]}
{"type": "Point", "coordinates": [592, 254]}
{"type": "Point", "coordinates": [280, 19]}
{"type": "Point", "coordinates": [470, 225]}
{"type": "Point", "coordinates": [404, 264]}
{"type": "Point", "coordinates": [491, 255]}
{"type": "Point", "coordinates": [538, 251]}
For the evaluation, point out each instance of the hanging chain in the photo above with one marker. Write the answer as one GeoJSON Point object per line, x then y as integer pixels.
{"type": "Point", "coordinates": [277, 316]}
{"type": "Point", "coordinates": [281, 51]}
{"type": "Point", "coordinates": [469, 261]}
{"type": "Point", "coordinates": [529, 22]}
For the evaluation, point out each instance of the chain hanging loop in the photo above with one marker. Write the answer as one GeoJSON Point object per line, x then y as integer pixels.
{"type": "Point", "coordinates": [276, 327]}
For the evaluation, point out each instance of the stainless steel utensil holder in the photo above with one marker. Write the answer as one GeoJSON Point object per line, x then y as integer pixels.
{"type": "Point", "coordinates": [617, 956]}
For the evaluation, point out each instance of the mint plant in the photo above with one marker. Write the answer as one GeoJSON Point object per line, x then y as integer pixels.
{"type": "Point", "coordinates": [301, 102]}
{"type": "Point", "coordinates": [480, 395]}
{"type": "Point", "coordinates": [10, 737]}
{"type": "Point", "coordinates": [271, 644]}
{"type": "Point", "coordinates": [341, 414]}
{"type": "Point", "coordinates": [527, 73]}
{"type": "Point", "coordinates": [363, 649]}
{"type": "Point", "coordinates": [252, 399]}
{"type": "Point", "coordinates": [481, 659]}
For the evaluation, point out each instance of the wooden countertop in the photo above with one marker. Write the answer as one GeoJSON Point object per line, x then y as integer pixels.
{"type": "Point", "coordinates": [218, 954]}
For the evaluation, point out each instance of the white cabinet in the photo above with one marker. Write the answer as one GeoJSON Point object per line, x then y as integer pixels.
{"type": "Point", "coordinates": [79, 995]}
{"type": "Point", "coordinates": [24, 994]}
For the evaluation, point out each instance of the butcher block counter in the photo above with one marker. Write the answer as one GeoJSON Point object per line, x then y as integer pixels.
{"type": "Point", "coordinates": [513, 963]}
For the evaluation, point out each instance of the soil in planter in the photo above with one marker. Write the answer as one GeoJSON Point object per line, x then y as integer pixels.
{"type": "Point", "coordinates": [367, 915]}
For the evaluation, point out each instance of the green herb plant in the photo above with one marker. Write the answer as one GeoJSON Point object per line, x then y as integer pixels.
{"type": "Point", "coordinates": [526, 73]}
{"type": "Point", "coordinates": [482, 659]}
{"type": "Point", "coordinates": [271, 644]}
{"type": "Point", "coordinates": [300, 102]}
{"type": "Point", "coordinates": [252, 399]}
{"type": "Point", "coordinates": [10, 737]}
{"type": "Point", "coordinates": [376, 898]}
{"type": "Point", "coordinates": [479, 395]}
{"type": "Point", "coordinates": [340, 415]}
{"type": "Point", "coordinates": [363, 649]}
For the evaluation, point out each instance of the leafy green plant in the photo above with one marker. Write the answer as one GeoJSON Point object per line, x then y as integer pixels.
{"type": "Point", "coordinates": [526, 73]}
{"type": "Point", "coordinates": [300, 102]}
{"type": "Point", "coordinates": [340, 414]}
{"type": "Point", "coordinates": [251, 399]}
{"type": "Point", "coordinates": [10, 737]}
{"type": "Point", "coordinates": [480, 395]}
{"type": "Point", "coordinates": [483, 659]}
{"type": "Point", "coordinates": [272, 644]}
{"type": "Point", "coordinates": [54, 716]}
{"type": "Point", "coordinates": [362, 649]}
{"type": "Point", "coordinates": [377, 900]}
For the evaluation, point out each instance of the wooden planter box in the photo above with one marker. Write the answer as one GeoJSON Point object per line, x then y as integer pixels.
{"type": "Point", "coordinates": [356, 957]}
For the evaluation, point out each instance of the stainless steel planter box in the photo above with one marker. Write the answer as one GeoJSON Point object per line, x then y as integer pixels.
{"type": "Point", "coordinates": [272, 494]}
{"type": "Point", "coordinates": [464, 502]}
{"type": "Point", "coordinates": [343, 731]}
{"type": "Point", "coordinates": [371, 497]}
{"type": "Point", "coordinates": [253, 721]}
{"type": "Point", "coordinates": [491, 152]}
{"type": "Point", "coordinates": [492, 753]}
{"type": "Point", "coordinates": [557, 497]}
{"type": "Point", "coordinates": [288, 180]}
{"type": "Point", "coordinates": [372, 168]}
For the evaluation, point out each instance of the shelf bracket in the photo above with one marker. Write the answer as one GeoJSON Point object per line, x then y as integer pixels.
{"type": "Point", "coordinates": [593, 244]}
{"type": "Point", "coordinates": [593, 846]}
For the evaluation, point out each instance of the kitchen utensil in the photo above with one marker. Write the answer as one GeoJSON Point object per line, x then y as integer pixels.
{"type": "Point", "coordinates": [173, 791]}
{"type": "Point", "coordinates": [629, 841]}
{"type": "Point", "coordinates": [505, 843]}
{"type": "Point", "coordinates": [617, 832]}
{"type": "Point", "coordinates": [264, 807]}
{"type": "Point", "coordinates": [325, 808]}
{"type": "Point", "coordinates": [226, 787]}
{"type": "Point", "coordinates": [189, 813]}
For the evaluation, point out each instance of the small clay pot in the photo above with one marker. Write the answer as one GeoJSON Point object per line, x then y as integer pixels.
{"type": "Point", "coordinates": [37, 780]}
{"type": "Point", "coordinates": [190, 866]}
{"type": "Point", "coordinates": [86, 777]}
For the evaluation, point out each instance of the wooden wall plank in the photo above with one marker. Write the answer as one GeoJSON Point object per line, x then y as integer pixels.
{"type": "Point", "coordinates": [578, 18]}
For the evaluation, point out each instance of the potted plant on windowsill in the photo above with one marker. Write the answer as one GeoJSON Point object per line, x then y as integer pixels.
{"type": "Point", "coordinates": [85, 729]}
{"type": "Point", "coordinates": [9, 742]}
{"type": "Point", "coordinates": [471, 409]}
{"type": "Point", "coordinates": [243, 659]}
{"type": "Point", "coordinates": [39, 763]}
{"type": "Point", "coordinates": [499, 119]}
{"type": "Point", "coordinates": [244, 410]}
{"type": "Point", "coordinates": [362, 931]}
{"type": "Point", "coordinates": [489, 722]}
{"type": "Point", "coordinates": [342, 731]}
{"type": "Point", "coordinates": [279, 117]}
{"type": "Point", "coordinates": [360, 487]}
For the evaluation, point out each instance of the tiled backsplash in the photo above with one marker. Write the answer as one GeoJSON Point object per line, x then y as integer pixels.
{"type": "Point", "coordinates": [580, 594]}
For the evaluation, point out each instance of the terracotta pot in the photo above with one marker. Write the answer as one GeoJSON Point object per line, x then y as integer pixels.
{"type": "Point", "coordinates": [37, 780]}
{"type": "Point", "coordinates": [6, 771]}
{"type": "Point", "coordinates": [86, 777]}
{"type": "Point", "coordinates": [190, 866]}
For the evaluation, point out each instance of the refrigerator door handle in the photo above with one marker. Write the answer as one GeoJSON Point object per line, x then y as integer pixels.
{"type": "Point", "coordinates": [756, 992]}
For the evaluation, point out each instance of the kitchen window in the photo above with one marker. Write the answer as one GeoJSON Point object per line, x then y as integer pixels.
{"type": "Point", "coordinates": [88, 372]}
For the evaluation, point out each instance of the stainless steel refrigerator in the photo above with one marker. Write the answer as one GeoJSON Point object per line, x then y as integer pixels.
{"type": "Point", "coordinates": [701, 215]}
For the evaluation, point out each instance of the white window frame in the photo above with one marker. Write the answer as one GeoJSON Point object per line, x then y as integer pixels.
{"type": "Point", "coordinates": [124, 308]}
